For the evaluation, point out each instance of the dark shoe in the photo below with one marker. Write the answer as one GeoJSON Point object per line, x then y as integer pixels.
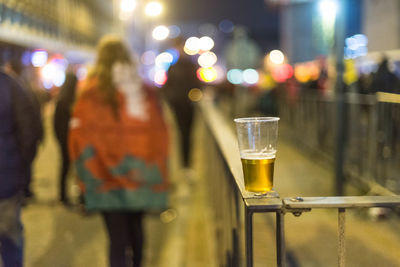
{"type": "Point", "coordinates": [65, 202]}
{"type": "Point", "coordinates": [28, 194]}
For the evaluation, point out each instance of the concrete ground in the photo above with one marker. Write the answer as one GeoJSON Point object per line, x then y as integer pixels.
{"type": "Point", "coordinates": [183, 237]}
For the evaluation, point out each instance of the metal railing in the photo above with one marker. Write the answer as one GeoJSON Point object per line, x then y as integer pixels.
{"type": "Point", "coordinates": [235, 207]}
{"type": "Point", "coordinates": [372, 145]}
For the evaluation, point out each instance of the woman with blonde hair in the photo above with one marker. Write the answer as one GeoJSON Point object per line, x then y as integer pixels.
{"type": "Point", "coordinates": [118, 142]}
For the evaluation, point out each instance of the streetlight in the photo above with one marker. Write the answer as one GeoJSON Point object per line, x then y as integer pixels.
{"type": "Point", "coordinates": [328, 9]}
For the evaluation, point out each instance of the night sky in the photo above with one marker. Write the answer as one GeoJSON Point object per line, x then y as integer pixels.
{"type": "Point", "coordinates": [261, 21]}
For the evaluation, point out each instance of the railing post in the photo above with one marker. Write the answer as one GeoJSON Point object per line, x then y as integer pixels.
{"type": "Point", "coordinates": [249, 236]}
{"type": "Point", "coordinates": [280, 239]}
{"type": "Point", "coordinates": [340, 25]}
{"type": "Point", "coordinates": [341, 244]}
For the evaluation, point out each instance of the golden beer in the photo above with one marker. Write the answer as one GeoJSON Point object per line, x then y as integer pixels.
{"type": "Point", "coordinates": [258, 174]}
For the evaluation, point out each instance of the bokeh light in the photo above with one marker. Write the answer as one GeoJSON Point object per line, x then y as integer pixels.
{"type": "Point", "coordinates": [276, 57]}
{"type": "Point", "coordinates": [195, 94]}
{"type": "Point", "coordinates": [226, 26]}
{"type": "Point", "coordinates": [26, 58]}
{"type": "Point", "coordinates": [356, 46]}
{"type": "Point", "coordinates": [148, 58]}
{"type": "Point", "coordinates": [235, 76]}
{"type": "Point", "coordinates": [126, 8]}
{"type": "Point", "coordinates": [164, 60]}
{"type": "Point", "coordinates": [350, 74]}
{"type": "Point", "coordinates": [190, 52]}
{"type": "Point", "coordinates": [53, 74]}
{"type": "Point", "coordinates": [282, 72]}
{"type": "Point", "coordinates": [151, 73]}
{"type": "Point", "coordinates": [266, 82]}
{"type": "Point", "coordinates": [127, 5]}
{"type": "Point", "coordinates": [174, 31]}
{"type": "Point", "coordinates": [153, 9]}
{"type": "Point", "coordinates": [174, 53]}
{"type": "Point", "coordinates": [192, 46]}
{"type": "Point", "coordinates": [208, 75]}
{"type": "Point", "coordinates": [206, 43]}
{"type": "Point", "coordinates": [160, 33]}
{"type": "Point", "coordinates": [168, 216]}
{"type": "Point", "coordinates": [39, 58]}
{"type": "Point", "coordinates": [160, 77]}
{"type": "Point", "coordinates": [207, 59]}
{"type": "Point", "coordinates": [301, 73]}
{"type": "Point", "coordinates": [250, 76]}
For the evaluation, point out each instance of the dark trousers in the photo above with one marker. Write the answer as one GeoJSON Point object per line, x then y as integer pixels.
{"type": "Point", "coordinates": [64, 169]}
{"type": "Point", "coordinates": [11, 238]}
{"type": "Point", "coordinates": [184, 120]}
{"type": "Point", "coordinates": [28, 181]}
{"type": "Point", "coordinates": [125, 232]}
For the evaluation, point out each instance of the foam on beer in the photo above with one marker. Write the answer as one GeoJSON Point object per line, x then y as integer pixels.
{"type": "Point", "coordinates": [251, 154]}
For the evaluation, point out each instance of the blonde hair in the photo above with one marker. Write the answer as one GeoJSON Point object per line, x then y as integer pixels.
{"type": "Point", "coordinates": [110, 50]}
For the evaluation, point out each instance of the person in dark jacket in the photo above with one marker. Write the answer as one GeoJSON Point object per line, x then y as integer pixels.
{"type": "Point", "coordinates": [19, 136]}
{"type": "Point", "coordinates": [181, 79]}
{"type": "Point", "coordinates": [384, 80]}
{"type": "Point", "coordinates": [62, 116]}
{"type": "Point", "coordinates": [14, 68]}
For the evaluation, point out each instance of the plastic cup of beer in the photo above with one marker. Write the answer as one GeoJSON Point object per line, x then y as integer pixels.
{"type": "Point", "coordinates": [257, 138]}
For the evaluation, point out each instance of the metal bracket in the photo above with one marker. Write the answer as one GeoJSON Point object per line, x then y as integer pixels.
{"type": "Point", "coordinates": [298, 212]}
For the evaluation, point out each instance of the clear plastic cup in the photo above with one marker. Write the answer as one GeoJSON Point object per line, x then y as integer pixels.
{"type": "Point", "coordinates": [257, 137]}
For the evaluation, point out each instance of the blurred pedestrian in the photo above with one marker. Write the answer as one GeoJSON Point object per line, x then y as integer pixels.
{"type": "Point", "coordinates": [19, 135]}
{"type": "Point", "coordinates": [62, 116]}
{"type": "Point", "coordinates": [181, 79]}
{"type": "Point", "coordinates": [14, 68]}
{"type": "Point", "coordinates": [118, 143]}
{"type": "Point", "coordinates": [384, 80]}
{"type": "Point", "coordinates": [363, 83]}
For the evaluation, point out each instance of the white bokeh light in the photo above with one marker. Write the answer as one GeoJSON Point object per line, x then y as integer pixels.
{"type": "Point", "coordinates": [192, 45]}
{"type": "Point", "coordinates": [153, 9]}
{"type": "Point", "coordinates": [207, 59]}
{"type": "Point", "coordinates": [39, 58]}
{"type": "Point", "coordinates": [328, 9]}
{"type": "Point", "coordinates": [206, 43]}
{"type": "Point", "coordinates": [250, 76]}
{"type": "Point", "coordinates": [276, 57]}
{"type": "Point", "coordinates": [160, 32]}
{"type": "Point", "coordinates": [163, 60]}
{"type": "Point", "coordinates": [235, 76]}
{"type": "Point", "coordinates": [126, 8]}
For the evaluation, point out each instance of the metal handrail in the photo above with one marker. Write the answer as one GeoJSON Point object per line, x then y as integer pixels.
{"type": "Point", "coordinates": [226, 142]}
{"type": "Point", "coordinates": [371, 134]}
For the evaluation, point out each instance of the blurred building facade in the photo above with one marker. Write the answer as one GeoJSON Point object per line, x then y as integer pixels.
{"type": "Point", "coordinates": [307, 27]}
{"type": "Point", "coordinates": [383, 33]}
{"type": "Point", "coordinates": [56, 25]}
{"type": "Point", "coordinates": [303, 35]}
